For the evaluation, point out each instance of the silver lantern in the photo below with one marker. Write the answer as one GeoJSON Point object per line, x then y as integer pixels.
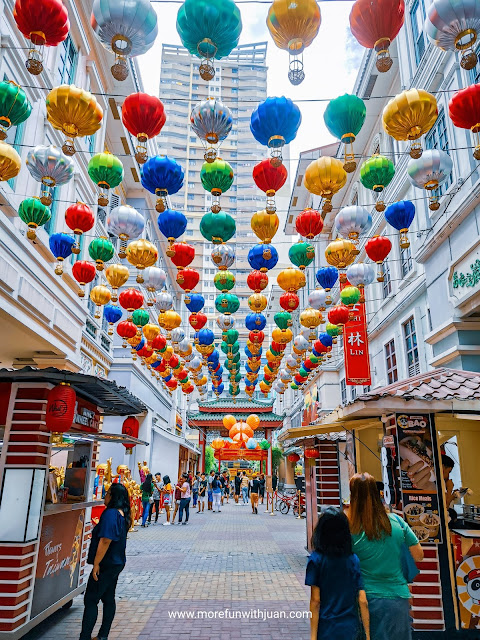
{"type": "Point", "coordinates": [50, 167]}
{"type": "Point", "coordinates": [212, 121]}
{"type": "Point", "coordinates": [453, 25]}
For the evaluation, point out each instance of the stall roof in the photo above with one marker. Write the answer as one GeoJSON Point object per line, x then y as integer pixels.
{"type": "Point", "coordinates": [112, 399]}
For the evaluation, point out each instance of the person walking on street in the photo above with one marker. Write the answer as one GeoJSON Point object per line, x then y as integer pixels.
{"type": "Point", "coordinates": [209, 491]}
{"type": "Point", "coordinates": [254, 487]}
{"type": "Point", "coordinates": [223, 484]}
{"type": "Point", "coordinates": [378, 541]}
{"type": "Point", "coordinates": [196, 484]}
{"type": "Point", "coordinates": [157, 488]}
{"type": "Point", "coordinates": [147, 491]}
{"type": "Point", "coordinates": [217, 492]}
{"type": "Point", "coordinates": [261, 489]}
{"type": "Point", "coordinates": [107, 555]}
{"type": "Point", "coordinates": [184, 500]}
{"type": "Point", "coordinates": [167, 496]}
{"type": "Point", "coordinates": [202, 490]}
{"type": "Point", "coordinates": [227, 486]}
{"type": "Point", "coordinates": [244, 487]}
{"type": "Point", "coordinates": [237, 481]}
{"type": "Point", "coordinates": [177, 496]}
{"type": "Point", "coordinates": [336, 585]}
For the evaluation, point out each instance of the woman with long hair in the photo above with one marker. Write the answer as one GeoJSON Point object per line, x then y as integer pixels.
{"type": "Point", "coordinates": [167, 498]}
{"type": "Point", "coordinates": [378, 539]}
{"type": "Point", "coordinates": [147, 491]}
{"type": "Point", "coordinates": [107, 555]}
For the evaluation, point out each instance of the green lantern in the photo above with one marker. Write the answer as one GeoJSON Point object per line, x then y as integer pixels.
{"type": "Point", "coordinates": [14, 106]}
{"type": "Point", "coordinates": [303, 372]}
{"type": "Point", "coordinates": [106, 171]}
{"type": "Point", "coordinates": [375, 174]}
{"type": "Point", "coordinates": [209, 29]}
{"type": "Point", "coordinates": [313, 359]}
{"type": "Point", "coordinates": [283, 320]}
{"type": "Point", "coordinates": [350, 295]}
{"type": "Point", "coordinates": [301, 254]}
{"type": "Point", "coordinates": [274, 353]}
{"type": "Point", "coordinates": [224, 281]}
{"type": "Point", "coordinates": [333, 330]}
{"type": "Point", "coordinates": [234, 391]}
{"type": "Point", "coordinates": [236, 357]}
{"type": "Point", "coordinates": [230, 336]}
{"type": "Point", "coordinates": [227, 303]}
{"type": "Point", "coordinates": [264, 444]}
{"type": "Point", "coordinates": [101, 250]}
{"type": "Point", "coordinates": [216, 177]}
{"type": "Point", "coordinates": [140, 317]}
{"type": "Point", "coordinates": [217, 227]}
{"type": "Point", "coordinates": [294, 385]}
{"type": "Point", "coordinates": [344, 117]}
{"type": "Point", "coordinates": [236, 378]}
{"type": "Point", "coordinates": [34, 214]}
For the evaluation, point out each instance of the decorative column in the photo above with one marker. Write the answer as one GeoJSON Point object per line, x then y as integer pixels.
{"type": "Point", "coordinates": [202, 444]}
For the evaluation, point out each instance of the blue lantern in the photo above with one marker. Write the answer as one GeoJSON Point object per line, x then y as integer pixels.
{"type": "Point", "coordinates": [249, 354]}
{"type": "Point", "coordinates": [162, 176]}
{"type": "Point", "coordinates": [218, 389]}
{"type": "Point", "coordinates": [61, 245]}
{"type": "Point", "coordinates": [251, 443]}
{"type": "Point", "coordinates": [274, 123]}
{"type": "Point", "coordinates": [326, 340]}
{"type": "Point", "coordinates": [257, 260]}
{"type": "Point", "coordinates": [213, 358]}
{"type": "Point", "coordinates": [400, 216]}
{"type": "Point", "coordinates": [206, 336]}
{"type": "Point", "coordinates": [156, 364]}
{"type": "Point", "coordinates": [172, 224]}
{"type": "Point", "coordinates": [167, 378]}
{"type": "Point", "coordinates": [140, 345]}
{"type": "Point", "coordinates": [195, 302]}
{"type": "Point", "coordinates": [255, 321]}
{"type": "Point", "coordinates": [112, 314]}
{"type": "Point", "coordinates": [327, 277]}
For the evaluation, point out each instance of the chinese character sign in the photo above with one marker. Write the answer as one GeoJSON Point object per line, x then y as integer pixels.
{"type": "Point", "coordinates": [355, 346]}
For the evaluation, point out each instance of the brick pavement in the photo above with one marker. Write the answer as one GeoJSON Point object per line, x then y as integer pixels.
{"type": "Point", "coordinates": [233, 561]}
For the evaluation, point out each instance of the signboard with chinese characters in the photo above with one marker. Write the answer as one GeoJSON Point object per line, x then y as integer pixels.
{"type": "Point", "coordinates": [355, 347]}
{"type": "Point", "coordinates": [87, 417]}
{"type": "Point", "coordinates": [464, 275]}
{"type": "Point", "coordinates": [418, 475]}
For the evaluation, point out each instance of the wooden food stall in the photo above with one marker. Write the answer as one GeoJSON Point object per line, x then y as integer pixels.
{"type": "Point", "coordinates": [398, 434]}
{"type": "Point", "coordinates": [44, 531]}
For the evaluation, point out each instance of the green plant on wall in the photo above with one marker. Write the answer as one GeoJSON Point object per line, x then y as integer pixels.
{"type": "Point", "coordinates": [209, 459]}
{"type": "Point", "coordinates": [276, 457]}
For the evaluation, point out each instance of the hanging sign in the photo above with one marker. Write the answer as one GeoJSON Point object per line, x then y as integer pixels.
{"type": "Point", "coordinates": [355, 347]}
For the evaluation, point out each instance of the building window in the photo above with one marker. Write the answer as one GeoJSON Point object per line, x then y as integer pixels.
{"type": "Point", "coordinates": [406, 261]}
{"type": "Point", "coordinates": [67, 62]}
{"type": "Point", "coordinates": [417, 18]}
{"type": "Point", "coordinates": [191, 196]}
{"type": "Point", "coordinates": [411, 347]}
{"type": "Point", "coordinates": [437, 138]}
{"type": "Point", "coordinates": [391, 362]}
{"type": "Point", "coordinates": [387, 280]}
{"type": "Point", "coordinates": [366, 389]}
{"type": "Point", "coordinates": [353, 393]}
{"type": "Point", "coordinates": [343, 390]}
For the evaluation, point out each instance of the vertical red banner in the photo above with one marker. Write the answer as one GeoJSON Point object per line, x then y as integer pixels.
{"type": "Point", "coordinates": [355, 347]}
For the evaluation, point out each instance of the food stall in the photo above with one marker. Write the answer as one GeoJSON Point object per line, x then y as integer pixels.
{"type": "Point", "coordinates": [398, 434]}
{"type": "Point", "coordinates": [45, 523]}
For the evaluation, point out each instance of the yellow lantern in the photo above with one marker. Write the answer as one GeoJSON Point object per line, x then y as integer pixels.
{"type": "Point", "coordinates": [229, 421]}
{"type": "Point", "coordinates": [324, 177]}
{"type": "Point", "coordinates": [100, 295]}
{"type": "Point", "coordinates": [291, 279]}
{"type": "Point", "coordinates": [293, 26]}
{"type": "Point", "coordinates": [151, 331]}
{"type": "Point", "coordinates": [282, 336]}
{"type": "Point", "coordinates": [264, 225]}
{"type": "Point", "coordinates": [116, 275]}
{"type": "Point", "coordinates": [168, 353]}
{"type": "Point", "coordinates": [201, 381]}
{"type": "Point", "coordinates": [264, 388]}
{"type": "Point", "coordinates": [254, 364]}
{"type": "Point", "coordinates": [253, 348]}
{"type": "Point", "coordinates": [75, 112]}
{"type": "Point", "coordinates": [171, 320]}
{"type": "Point", "coordinates": [257, 302]}
{"type": "Point", "coordinates": [141, 254]}
{"type": "Point", "coordinates": [10, 162]}
{"type": "Point", "coordinates": [310, 318]}
{"type": "Point", "coordinates": [253, 421]}
{"type": "Point", "coordinates": [205, 349]}
{"type": "Point", "coordinates": [340, 253]}
{"type": "Point", "coordinates": [135, 341]}
{"type": "Point", "coordinates": [409, 116]}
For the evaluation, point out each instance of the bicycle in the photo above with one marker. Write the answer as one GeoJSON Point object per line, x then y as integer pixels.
{"type": "Point", "coordinates": [279, 497]}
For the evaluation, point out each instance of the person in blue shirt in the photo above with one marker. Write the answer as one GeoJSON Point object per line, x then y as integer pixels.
{"type": "Point", "coordinates": [333, 573]}
{"type": "Point", "coordinates": [107, 555]}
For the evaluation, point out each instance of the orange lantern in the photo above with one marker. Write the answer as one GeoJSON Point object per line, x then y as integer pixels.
{"type": "Point", "coordinates": [218, 443]}
{"type": "Point", "coordinates": [229, 421]}
{"type": "Point", "coordinates": [253, 421]}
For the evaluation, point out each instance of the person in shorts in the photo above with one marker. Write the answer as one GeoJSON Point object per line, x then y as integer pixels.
{"type": "Point", "coordinates": [167, 496]}
{"type": "Point", "coordinates": [202, 490]}
{"type": "Point", "coordinates": [178, 497]}
{"type": "Point", "coordinates": [210, 491]}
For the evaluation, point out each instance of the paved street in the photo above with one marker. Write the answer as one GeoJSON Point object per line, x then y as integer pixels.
{"type": "Point", "coordinates": [232, 560]}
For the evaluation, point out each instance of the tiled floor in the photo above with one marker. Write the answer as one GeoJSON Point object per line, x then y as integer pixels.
{"type": "Point", "coordinates": [216, 569]}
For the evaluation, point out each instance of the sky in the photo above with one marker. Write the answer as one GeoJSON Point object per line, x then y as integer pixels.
{"type": "Point", "coordinates": [330, 63]}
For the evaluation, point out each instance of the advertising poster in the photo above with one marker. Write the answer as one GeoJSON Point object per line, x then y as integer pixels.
{"type": "Point", "coordinates": [355, 346]}
{"type": "Point", "coordinates": [418, 478]}
{"type": "Point", "coordinates": [466, 552]}
{"type": "Point", "coordinates": [58, 558]}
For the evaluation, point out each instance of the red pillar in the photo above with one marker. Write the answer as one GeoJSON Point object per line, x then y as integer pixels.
{"type": "Point", "coordinates": [268, 462]}
{"type": "Point", "coordinates": [202, 444]}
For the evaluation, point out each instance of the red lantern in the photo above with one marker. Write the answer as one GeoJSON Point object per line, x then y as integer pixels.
{"type": "Point", "coordinates": [183, 254]}
{"type": "Point", "coordinates": [293, 457]}
{"type": "Point", "coordinates": [375, 23]}
{"type": "Point", "coordinates": [188, 279]}
{"type": "Point", "coordinates": [377, 249]}
{"type": "Point", "coordinates": [309, 223]}
{"type": "Point", "coordinates": [172, 384]}
{"type": "Point", "coordinates": [464, 112]}
{"type": "Point", "coordinates": [197, 320]}
{"type": "Point", "coordinates": [159, 342]}
{"type": "Point", "coordinates": [79, 218]}
{"type": "Point", "coordinates": [126, 330]}
{"type": "Point", "coordinates": [311, 452]}
{"type": "Point", "coordinates": [145, 352]}
{"type": "Point", "coordinates": [311, 365]}
{"type": "Point", "coordinates": [269, 179]}
{"type": "Point", "coordinates": [130, 427]}
{"type": "Point", "coordinates": [257, 337]}
{"type": "Point", "coordinates": [60, 411]}
{"type": "Point", "coordinates": [276, 346]}
{"type": "Point", "coordinates": [174, 361]}
{"type": "Point", "coordinates": [188, 389]}
{"type": "Point", "coordinates": [43, 23]}
{"type": "Point", "coordinates": [83, 272]}
{"type": "Point", "coordinates": [180, 373]}
{"type": "Point", "coordinates": [300, 379]}
{"type": "Point", "coordinates": [257, 281]}
{"type": "Point", "coordinates": [130, 299]}
{"type": "Point", "coordinates": [338, 314]}
{"type": "Point", "coordinates": [143, 116]}
{"type": "Point", "coordinates": [289, 301]}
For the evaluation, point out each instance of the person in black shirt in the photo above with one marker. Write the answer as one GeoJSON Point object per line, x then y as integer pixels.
{"type": "Point", "coordinates": [238, 481]}
{"type": "Point", "coordinates": [254, 487]}
{"type": "Point", "coordinates": [107, 555]}
{"type": "Point", "coordinates": [261, 490]}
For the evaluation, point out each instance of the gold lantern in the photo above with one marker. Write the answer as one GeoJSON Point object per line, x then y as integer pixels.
{"type": "Point", "coordinates": [324, 177]}
{"type": "Point", "coordinates": [141, 254]}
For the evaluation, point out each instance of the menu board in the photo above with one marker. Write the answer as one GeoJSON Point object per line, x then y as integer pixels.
{"type": "Point", "coordinates": [418, 475]}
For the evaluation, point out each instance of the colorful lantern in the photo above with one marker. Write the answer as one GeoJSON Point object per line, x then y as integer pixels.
{"type": "Point", "coordinates": [410, 115]}
{"type": "Point", "coordinates": [400, 216]}
{"type": "Point", "coordinates": [14, 106]}
{"type": "Point", "coordinates": [130, 299]}
{"type": "Point", "coordinates": [75, 112]}
{"type": "Point", "coordinates": [338, 315]}
{"type": "Point", "coordinates": [350, 296]}
{"type": "Point", "coordinates": [293, 457]}
{"type": "Point", "coordinates": [106, 171]}
{"type": "Point", "coordinates": [269, 179]}
{"type": "Point", "coordinates": [130, 427]}
{"type": "Point", "coordinates": [293, 27]}
{"type": "Point", "coordinates": [61, 246]}
{"type": "Point", "coordinates": [333, 331]}
{"type": "Point", "coordinates": [217, 227]}
{"type": "Point", "coordinates": [216, 177]}
{"type": "Point", "coordinates": [164, 301]}
{"type": "Point", "coordinates": [188, 279]}
{"type": "Point", "coordinates": [197, 321]}
{"type": "Point", "coordinates": [209, 29]}
{"type": "Point", "coordinates": [257, 281]}
{"type": "Point", "coordinates": [112, 314]}
{"type": "Point", "coordinates": [375, 24]}
{"type": "Point", "coordinates": [310, 318]}
{"type": "Point", "coordinates": [274, 123]}
{"type": "Point", "coordinates": [195, 302]}
{"type": "Point", "coordinates": [327, 278]}
{"type": "Point", "coordinates": [223, 256]}
{"type": "Point", "coordinates": [352, 221]}
{"type": "Point", "coordinates": [257, 302]}
{"type": "Point", "coordinates": [309, 223]}
{"type": "Point", "coordinates": [60, 410]}
{"type": "Point", "coordinates": [430, 172]}
{"type": "Point", "coordinates": [183, 254]}
{"type": "Point", "coordinates": [100, 295]}
{"type": "Point", "coordinates": [172, 225]}
{"type": "Point", "coordinates": [44, 24]}
{"type": "Point", "coordinates": [377, 249]}
{"type": "Point", "coordinates": [311, 453]}
{"type": "Point", "coordinates": [101, 250]}
{"type": "Point", "coordinates": [154, 280]}
{"type": "Point", "coordinates": [301, 254]}
{"type": "Point", "coordinates": [117, 275]}
{"type": "Point", "coordinates": [344, 118]}
{"type": "Point", "coordinates": [125, 29]}
{"type": "Point", "coordinates": [340, 253]}
{"type": "Point", "coordinates": [212, 121]}
{"type": "Point", "coordinates": [80, 219]}
{"type": "Point", "coordinates": [360, 275]}
{"type": "Point", "coordinates": [162, 176]}
{"type": "Point", "coordinates": [50, 167]}
{"type": "Point", "coordinates": [289, 301]}
{"type": "Point", "coordinates": [227, 303]}
{"type": "Point", "coordinates": [224, 281]}
{"type": "Point", "coordinates": [324, 177]}
{"type": "Point", "coordinates": [262, 257]}
{"type": "Point", "coordinates": [140, 317]}
{"type": "Point", "coordinates": [143, 116]}
{"type": "Point", "coordinates": [264, 226]}
{"type": "Point", "coordinates": [10, 162]}
{"type": "Point", "coordinates": [84, 272]}
{"type": "Point", "coordinates": [34, 214]}
{"type": "Point", "coordinates": [376, 173]}
{"type": "Point", "coordinates": [127, 223]}
{"type": "Point", "coordinates": [464, 111]}
{"type": "Point", "coordinates": [317, 299]}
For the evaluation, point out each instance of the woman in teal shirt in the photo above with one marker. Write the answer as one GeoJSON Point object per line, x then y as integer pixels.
{"type": "Point", "coordinates": [377, 541]}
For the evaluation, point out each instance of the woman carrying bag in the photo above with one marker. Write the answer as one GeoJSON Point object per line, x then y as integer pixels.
{"type": "Point", "coordinates": [147, 492]}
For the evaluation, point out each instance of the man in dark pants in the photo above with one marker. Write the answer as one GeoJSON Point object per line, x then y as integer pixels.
{"type": "Point", "coordinates": [238, 480]}
{"type": "Point", "coordinates": [157, 487]}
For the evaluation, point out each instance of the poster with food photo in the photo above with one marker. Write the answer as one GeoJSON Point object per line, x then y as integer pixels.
{"type": "Point", "coordinates": [418, 478]}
